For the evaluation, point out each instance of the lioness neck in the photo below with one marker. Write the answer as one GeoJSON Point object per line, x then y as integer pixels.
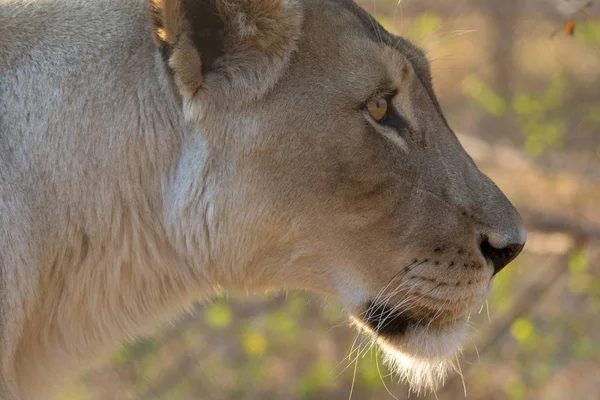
{"type": "Point", "coordinates": [89, 160]}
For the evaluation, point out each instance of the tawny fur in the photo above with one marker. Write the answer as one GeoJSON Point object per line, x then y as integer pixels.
{"type": "Point", "coordinates": [132, 184]}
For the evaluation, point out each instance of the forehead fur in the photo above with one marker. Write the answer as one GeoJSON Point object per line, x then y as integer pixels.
{"type": "Point", "coordinates": [413, 54]}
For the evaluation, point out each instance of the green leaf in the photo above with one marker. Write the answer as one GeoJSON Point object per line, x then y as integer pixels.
{"type": "Point", "coordinates": [254, 343]}
{"type": "Point", "coordinates": [588, 31]}
{"type": "Point", "coordinates": [218, 315]}
{"type": "Point", "coordinates": [476, 89]}
{"type": "Point", "coordinates": [542, 372]}
{"type": "Point", "coordinates": [522, 330]}
{"type": "Point", "coordinates": [524, 104]}
{"type": "Point", "coordinates": [76, 391]}
{"type": "Point", "coordinates": [592, 117]}
{"type": "Point", "coordinates": [368, 374]}
{"type": "Point", "coordinates": [585, 348]}
{"type": "Point", "coordinates": [553, 98]}
{"type": "Point", "coordinates": [427, 24]}
{"type": "Point", "coordinates": [515, 389]}
{"type": "Point", "coordinates": [317, 378]}
{"type": "Point", "coordinates": [578, 262]}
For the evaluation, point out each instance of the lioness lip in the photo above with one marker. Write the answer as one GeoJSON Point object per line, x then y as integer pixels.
{"type": "Point", "coordinates": [383, 320]}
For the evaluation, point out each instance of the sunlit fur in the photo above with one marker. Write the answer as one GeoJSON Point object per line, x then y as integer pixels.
{"type": "Point", "coordinates": [424, 354]}
{"type": "Point", "coordinates": [428, 371]}
{"type": "Point", "coordinates": [424, 357]}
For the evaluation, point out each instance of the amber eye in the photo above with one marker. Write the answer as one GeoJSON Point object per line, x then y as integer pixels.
{"type": "Point", "coordinates": [378, 109]}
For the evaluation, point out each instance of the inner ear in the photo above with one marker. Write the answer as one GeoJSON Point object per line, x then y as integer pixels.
{"type": "Point", "coordinates": [224, 53]}
{"type": "Point", "coordinates": [191, 36]}
{"type": "Point", "coordinates": [207, 30]}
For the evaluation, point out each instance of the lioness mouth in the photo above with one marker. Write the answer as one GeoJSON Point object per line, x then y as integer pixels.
{"type": "Point", "coordinates": [387, 321]}
{"type": "Point", "coordinates": [418, 346]}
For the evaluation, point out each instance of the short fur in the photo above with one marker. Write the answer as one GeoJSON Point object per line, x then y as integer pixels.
{"type": "Point", "coordinates": [155, 152]}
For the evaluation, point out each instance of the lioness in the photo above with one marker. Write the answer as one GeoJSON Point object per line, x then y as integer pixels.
{"type": "Point", "coordinates": [153, 152]}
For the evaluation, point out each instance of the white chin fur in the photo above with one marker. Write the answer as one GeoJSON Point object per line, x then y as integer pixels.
{"type": "Point", "coordinates": [422, 357]}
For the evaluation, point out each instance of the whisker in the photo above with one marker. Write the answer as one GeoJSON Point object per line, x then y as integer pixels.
{"type": "Point", "coordinates": [381, 376]}
{"type": "Point", "coordinates": [462, 377]}
{"type": "Point", "coordinates": [353, 380]}
{"type": "Point", "coordinates": [377, 299]}
{"type": "Point", "coordinates": [358, 351]}
{"type": "Point", "coordinates": [413, 301]}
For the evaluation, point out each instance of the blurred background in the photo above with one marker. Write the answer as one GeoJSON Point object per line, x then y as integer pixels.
{"type": "Point", "coordinates": [519, 81]}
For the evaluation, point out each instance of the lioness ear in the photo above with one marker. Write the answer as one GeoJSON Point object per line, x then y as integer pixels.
{"type": "Point", "coordinates": [190, 34]}
{"type": "Point", "coordinates": [233, 50]}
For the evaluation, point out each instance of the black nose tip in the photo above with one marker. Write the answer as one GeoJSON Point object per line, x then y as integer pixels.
{"type": "Point", "coordinates": [500, 257]}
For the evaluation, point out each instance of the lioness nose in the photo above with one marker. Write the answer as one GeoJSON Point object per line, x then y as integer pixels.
{"type": "Point", "coordinates": [502, 255]}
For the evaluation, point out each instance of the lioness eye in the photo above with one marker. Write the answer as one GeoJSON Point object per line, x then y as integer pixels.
{"type": "Point", "coordinates": [378, 109]}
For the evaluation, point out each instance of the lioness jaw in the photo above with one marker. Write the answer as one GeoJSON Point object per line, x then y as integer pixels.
{"type": "Point", "coordinates": [152, 152]}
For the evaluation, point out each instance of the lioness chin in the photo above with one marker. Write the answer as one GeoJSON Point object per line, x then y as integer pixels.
{"type": "Point", "coordinates": [153, 151]}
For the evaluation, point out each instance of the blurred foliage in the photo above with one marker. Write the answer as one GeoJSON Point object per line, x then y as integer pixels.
{"type": "Point", "coordinates": [540, 115]}
{"type": "Point", "coordinates": [476, 89]}
{"type": "Point", "coordinates": [424, 25]}
{"type": "Point", "coordinates": [523, 330]}
{"type": "Point", "coordinates": [589, 32]}
{"type": "Point", "coordinates": [218, 315]}
{"type": "Point", "coordinates": [76, 391]}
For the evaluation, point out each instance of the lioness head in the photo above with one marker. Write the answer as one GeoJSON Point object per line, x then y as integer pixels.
{"type": "Point", "coordinates": [326, 163]}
